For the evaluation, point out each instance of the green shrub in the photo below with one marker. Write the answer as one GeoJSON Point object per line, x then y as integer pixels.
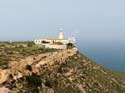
{"type": "Point", "coordinates": [33, 80]}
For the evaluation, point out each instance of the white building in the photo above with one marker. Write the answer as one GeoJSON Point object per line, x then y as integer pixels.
{"type": "Point", "coordinates": [56, 43]}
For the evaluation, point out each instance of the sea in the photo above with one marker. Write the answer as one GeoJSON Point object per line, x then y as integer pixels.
{"type": "Point", "coordinates": [110, 55]}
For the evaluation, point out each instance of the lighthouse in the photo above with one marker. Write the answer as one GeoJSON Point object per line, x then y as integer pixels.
{"type": "Point", "coordinates": [61, 35]}
{"type": "Point", "coordinates": [56, 43]}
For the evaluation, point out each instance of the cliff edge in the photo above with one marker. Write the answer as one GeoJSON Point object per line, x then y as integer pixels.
{"type": "Point", "coordinates": [64, 71]}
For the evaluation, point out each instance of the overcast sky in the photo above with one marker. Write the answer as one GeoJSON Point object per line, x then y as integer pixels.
{"type": "Point", "coordinates": [99, 20]}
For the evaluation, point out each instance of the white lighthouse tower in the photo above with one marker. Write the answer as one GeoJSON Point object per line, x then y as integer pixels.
{"type": "Point", "coordinates": [61, 35]}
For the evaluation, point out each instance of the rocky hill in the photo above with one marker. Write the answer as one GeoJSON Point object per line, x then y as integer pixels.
{"type": "Point", "coordinates": [61, 71]}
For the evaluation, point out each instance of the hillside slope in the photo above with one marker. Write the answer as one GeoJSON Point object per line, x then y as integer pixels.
{"type": "Point", "coordinates": [77, 74]}
{"type": "Point", "coordinates": [30, 69]}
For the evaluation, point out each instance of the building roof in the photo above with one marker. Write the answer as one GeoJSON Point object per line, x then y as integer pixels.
{"type": "Point", "coordinates": [55, 39]}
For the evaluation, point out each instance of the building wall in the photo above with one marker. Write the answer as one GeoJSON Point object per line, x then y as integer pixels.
{"type": "Point", "coordinates": [52, 43]}
{"type": "Point", "coordinates": [39, 41]}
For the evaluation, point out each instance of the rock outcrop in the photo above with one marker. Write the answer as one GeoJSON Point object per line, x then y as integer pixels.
{"type": "Point", "coordinates": [18, 69]}
{"type": "Point", "coordinates": [4, 75]}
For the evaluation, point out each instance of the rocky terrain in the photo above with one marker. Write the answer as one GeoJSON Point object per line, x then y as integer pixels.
{"type": "Point", "coordinates": [57, 71]}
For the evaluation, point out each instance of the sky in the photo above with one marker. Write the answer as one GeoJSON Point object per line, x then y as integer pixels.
{"type": "Point", "coordinates": [89, 20]}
